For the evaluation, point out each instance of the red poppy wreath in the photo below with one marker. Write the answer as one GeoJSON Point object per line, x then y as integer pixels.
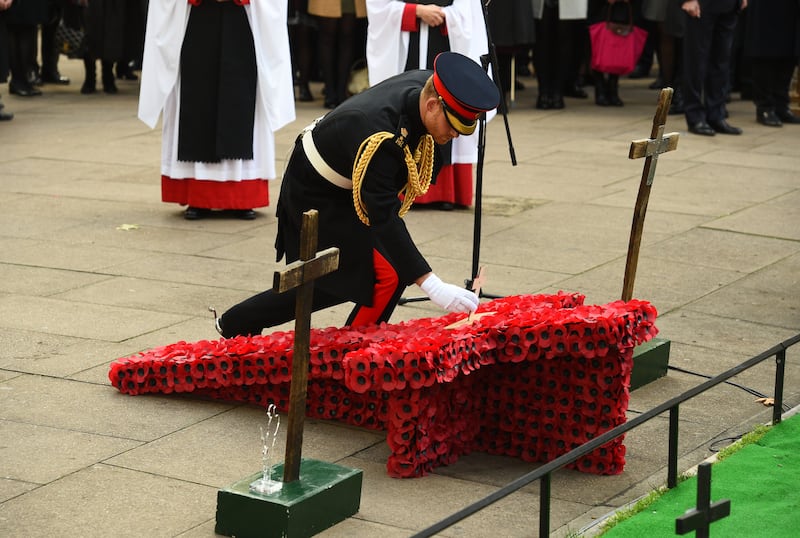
{"type": "Point", "coordinates": [533, 377]}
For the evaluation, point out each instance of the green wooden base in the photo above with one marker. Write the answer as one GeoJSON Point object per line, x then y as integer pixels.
{"type": "Point", "coordinates": [324, 495]}
{"type": "Point", "coordinates": [650, 361]}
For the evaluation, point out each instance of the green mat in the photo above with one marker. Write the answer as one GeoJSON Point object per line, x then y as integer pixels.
{"type": "Point", "coordinates": [762, 481]}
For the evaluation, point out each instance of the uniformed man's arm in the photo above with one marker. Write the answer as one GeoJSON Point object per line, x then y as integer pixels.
{"type": "Point", "coordinates": [384, 178]}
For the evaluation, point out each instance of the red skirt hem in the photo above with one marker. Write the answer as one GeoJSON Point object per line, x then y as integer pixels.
{"type": "Point", "coordinates": [207, 194]}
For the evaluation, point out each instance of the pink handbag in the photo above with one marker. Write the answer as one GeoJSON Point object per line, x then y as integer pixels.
{"type": "Point", "coordinates": [616, 47]}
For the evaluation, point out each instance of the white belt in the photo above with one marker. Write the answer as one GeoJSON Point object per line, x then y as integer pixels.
{"type": "Point", "coordinates": [319, 163]}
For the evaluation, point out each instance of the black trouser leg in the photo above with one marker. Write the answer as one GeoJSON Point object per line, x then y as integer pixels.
{"type": "Point", "coordinates": [268, 309]}
{"type": "Point", "coordinates": [344, 59]}
{"type": "Point", "coordinates": [90, 80]}
{"type": "Point", "coordinates": [49, 51]}
{"type": "Point", "coordinates": [22, 52]}
{"type": "Point", "coordinates": [763, 84]}
{"type": "Point", "coordinates": [784, 70]}
{"type": "Point", "coordinates": [328, 45]}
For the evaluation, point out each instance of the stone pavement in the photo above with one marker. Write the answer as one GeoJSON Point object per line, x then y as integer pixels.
{"type": "Point", "coordinates": [93, 266]}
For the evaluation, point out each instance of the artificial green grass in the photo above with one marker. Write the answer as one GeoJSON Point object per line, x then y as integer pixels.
{"type": "Point", "coordinates": [762, 481]}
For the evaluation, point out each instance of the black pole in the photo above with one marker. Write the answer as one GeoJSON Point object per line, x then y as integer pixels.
{"type": "Point", "coordinates": [487, 60]}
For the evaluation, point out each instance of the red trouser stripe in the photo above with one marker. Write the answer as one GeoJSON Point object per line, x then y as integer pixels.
{"type": "Point", "coordinates": [386, 282]}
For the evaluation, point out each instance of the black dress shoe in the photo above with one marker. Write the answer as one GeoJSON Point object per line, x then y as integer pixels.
{"type": "Point", "coordinates": [768, 118]}
{"type": "Point", "coordinates": [786, 116]}
{"type": "Point", "coordinates": [126, 73]}
{"type": "Point", "coordinates": [6, 116]}
{"type": "Point", "coordinates": [55, 78]}
{"type": "Point", "coordinates": [195, 213]}
{"type": "Point", "coordinates": [722, 126]}
{"type": "Point", "coordinates": [304, 93]}
{"type": "Point", "coordinates": [575, 91]}
{"type": "Point", "coordinates": [246, 214]}
{"type": "Point", "coordinates": [557, 101]}
{"type": "Point", "coordinates": [701, 128]}
{"type": "Point", "coordinates": [109, 86]}
{"type": "Point", "coordinates": [544, 102]}
{"type": "Point", "coordinates": [23, 90]}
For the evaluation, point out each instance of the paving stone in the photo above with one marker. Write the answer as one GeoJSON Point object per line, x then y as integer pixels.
{"type": "Point", "coordinates": [60, 452]}
{"type": "Point", "coordinates": [82, 320]}
{"type": "Point", "coordinates": [101, 500]}
{"type": "Point", "coordinates": [98, 409]}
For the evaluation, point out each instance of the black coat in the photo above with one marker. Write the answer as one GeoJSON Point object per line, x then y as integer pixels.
{"type": "Point", "coordinates": [27, 12]}
{"type": "Point", "coordinates": [511, 23]}
{"type": "Point", "coordinates": [389, 106]}
{"type": "Point", "coordinates": [105, 29]}
{"type": "Point", "coordinates": [772, 29]}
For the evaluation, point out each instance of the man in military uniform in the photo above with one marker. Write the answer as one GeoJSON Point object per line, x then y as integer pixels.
{"type": "Point", "coordinates": [360, 166]}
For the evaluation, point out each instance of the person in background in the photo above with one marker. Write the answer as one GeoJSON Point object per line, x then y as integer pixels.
{"type": "Point", "coordinates": [512, 28]}
{"type": "Point", "coordinates": [105, 37]}
{"type": "Point", "coordinates": [666, 26]}
{"type": "Point", "coordinates": [222, 100]}
{"type": "Point", "coordinates": [606, 85]}
{"type": "Point", "coordinates": [133, 41]}
{"type": "Point", "coordinates": [336, 28]}
{"type": "Point", "coordinates": [707, 42]}
{"type": "Point", "coordinates": [351, 165]}
{"type": "Point", "coordinates": [49, 73]}
{"type": "Point", "coordinates": [772, 45]}
{"type": "Point", "coordinates": [556, 51]}
{"type": "Point", "coordinates": [22, 22]}
{"type": "Point", "coordinates": [301, 25]}
{"type": "Point", "coordinates": [406, 35]}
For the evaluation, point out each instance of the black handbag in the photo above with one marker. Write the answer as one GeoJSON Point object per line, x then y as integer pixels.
{"type": "Point", "coordinates": [71, 42]}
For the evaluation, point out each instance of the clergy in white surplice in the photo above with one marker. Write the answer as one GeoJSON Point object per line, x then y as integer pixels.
{"type": "Point", "coordinates": [222, 98]}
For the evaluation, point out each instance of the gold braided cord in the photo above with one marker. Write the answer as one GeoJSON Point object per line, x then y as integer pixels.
{"type": "Point", "coordinates": [419, 165]}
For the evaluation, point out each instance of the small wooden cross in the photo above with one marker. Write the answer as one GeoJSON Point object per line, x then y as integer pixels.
{"type": "Point", "coordinates": [698, 519]}
{"type": "Point", "coordinates": [650, 149]}
{"type": "Point", "coordinates": [301, 275]}
{"type": "Point", "coordinates": [476, 285]}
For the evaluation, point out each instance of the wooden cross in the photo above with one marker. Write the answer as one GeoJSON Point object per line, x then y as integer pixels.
{"type": "Point", "coordinates": [475, 285]}
{"type": "Point", "coordinates": [698, 519]}
{"type": "Point", "coordinates": [301, 275]}
{"type": "Point", "coordinates": [650, 149]}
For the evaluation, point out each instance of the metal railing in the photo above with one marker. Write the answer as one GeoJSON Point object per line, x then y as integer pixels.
{"type": "Point", "coordinates": [543, 473]}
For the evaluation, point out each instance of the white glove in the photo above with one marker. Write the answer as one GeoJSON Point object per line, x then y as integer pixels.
{"type": "Point", "coordinates": [449, 296]}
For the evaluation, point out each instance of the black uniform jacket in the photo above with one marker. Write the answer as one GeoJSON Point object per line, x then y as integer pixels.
{"type": "Point", "coordinates": [392, 106]}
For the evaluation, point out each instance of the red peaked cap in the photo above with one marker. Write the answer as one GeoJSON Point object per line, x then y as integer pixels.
{"type": "Point", "coordinates": [465, 90]}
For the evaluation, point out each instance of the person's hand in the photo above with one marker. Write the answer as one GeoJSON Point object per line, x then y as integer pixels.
{"type": "Point", "coordinates": [692, 8]}
{"type": "Point", "coordinates": [431, 14]}
{"type": "Point", "coordinates": [449, 296]}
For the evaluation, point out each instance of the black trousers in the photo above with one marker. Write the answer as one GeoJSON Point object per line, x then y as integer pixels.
{"type": "Point", "coordinates": [268, 309]}
{"type": "Point", "coordinates": [707, 45]}
{"type": "Point", "coordinates": [771, 80]}
{"type": "Point", "coordinates": [554, 54]}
